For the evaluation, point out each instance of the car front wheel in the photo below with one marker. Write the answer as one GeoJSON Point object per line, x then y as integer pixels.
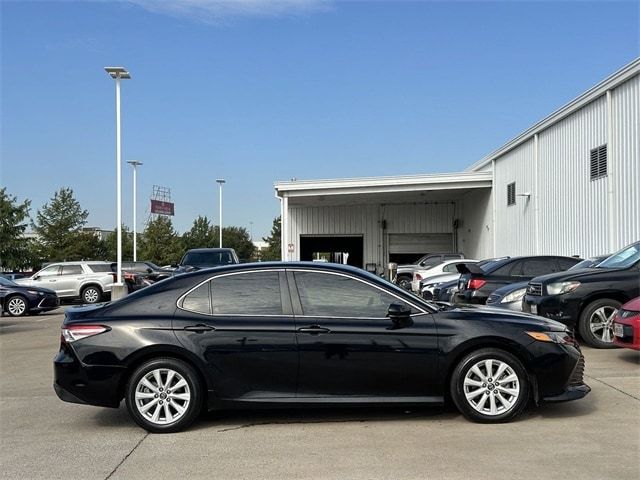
{"type": "Point", "coordinates": [164, 395]}
{"type": "Point", "coordinates": [596, 323]}
{"type": "Point", "coordinates": [17, 306]}
{"type": "Point", "coordinates": [490, 386]}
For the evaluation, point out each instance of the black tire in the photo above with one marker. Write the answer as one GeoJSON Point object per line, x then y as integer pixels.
{"type": "Point", "coordinates": [404, 281]}
{"type": "Point", "coordinates": [517, 402]}
{"type": "Point", "coordinates": [16, 306]}
{"type": "Point", "coordinates": [91, 294]}
{"type": "Point", "coordinates": [192, 408]}
{"type": "Point", "coordinates": [596, 310]}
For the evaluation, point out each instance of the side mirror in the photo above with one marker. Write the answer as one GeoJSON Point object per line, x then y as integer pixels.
{"type": "Point", "coordinates": [398, 312]}
{"type": "Point", "coordinates": [149, 270]}
{"type": "Point", "coordinates": [36, 277]}
{"type": "Point", "coordinates": [174, 265]}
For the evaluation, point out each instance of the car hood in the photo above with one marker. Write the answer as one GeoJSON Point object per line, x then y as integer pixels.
{"type": "Point", "coordinates": [570, 275]}
{"type": "Point", "coordinates": [21, 286]}
{"type": "Point", "coordinates": [481, 312]}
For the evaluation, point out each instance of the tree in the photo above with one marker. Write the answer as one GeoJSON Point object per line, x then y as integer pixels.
{"type": "Point", "coordinates": [273, 252]}
{"type": "Point", "coordinates": [111, 245]}
{"type": "Point", "coordinates": [237, 238]}
{"type": "Point", "coordinates": [59, 232]}
{"type": "Point", "coordinates": [160, 243]}
{"type": "Point", "coordinates": [201, 235]}
{"type": "Point", "coordinates": [14, 251]}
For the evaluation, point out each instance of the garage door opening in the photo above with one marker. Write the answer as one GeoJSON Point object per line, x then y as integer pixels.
{"type": "Point", "coordinates": [407, 248]}
{"type": "Point", "coordinates": [335, 249]}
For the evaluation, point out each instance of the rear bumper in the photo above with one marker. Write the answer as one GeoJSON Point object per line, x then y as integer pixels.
{"type": "Point", "coordinates": [75, 382]}
{"type": "Point", "coordinates": [574, 392]}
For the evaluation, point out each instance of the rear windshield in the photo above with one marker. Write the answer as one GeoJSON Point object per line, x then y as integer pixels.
{"type": "Point", "coordinates": [100, 268]}
{"type": "Point", "coordinates": [622, 259]}
{"type": "Point", "coordinates": [207, 259]}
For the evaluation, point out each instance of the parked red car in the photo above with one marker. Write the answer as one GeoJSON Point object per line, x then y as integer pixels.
{"type": "Point", "coordinates": [626, 325]}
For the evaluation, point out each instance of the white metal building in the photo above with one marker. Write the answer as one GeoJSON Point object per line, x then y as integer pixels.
{"type": "Point", "coordinates": [569, 185]}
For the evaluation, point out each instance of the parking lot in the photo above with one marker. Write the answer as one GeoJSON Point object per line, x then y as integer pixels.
{"type": "Point", "coordinates": [597, 437]}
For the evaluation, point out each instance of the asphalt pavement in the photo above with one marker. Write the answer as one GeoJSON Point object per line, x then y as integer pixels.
{"type": "Point", "coordinates": [42, 437]}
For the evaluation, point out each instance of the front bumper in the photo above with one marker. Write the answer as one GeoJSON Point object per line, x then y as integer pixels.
{"type": "Point", "coordinates": [573, 392]}
{"type": "Point", "coordinates": [561, 308]}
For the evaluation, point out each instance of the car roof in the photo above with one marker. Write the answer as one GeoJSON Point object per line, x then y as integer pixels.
{"type": "Point", "coordinates": [209, 250]}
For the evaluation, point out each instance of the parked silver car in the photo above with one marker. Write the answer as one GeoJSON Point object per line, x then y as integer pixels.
{"type": "Point", "coordinates": [87, 281]}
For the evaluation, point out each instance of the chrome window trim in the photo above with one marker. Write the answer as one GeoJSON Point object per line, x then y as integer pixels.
{"type": "Point", "coordinates": [227, 274]}
{"type": "Point", "coordinates": [289, 269]}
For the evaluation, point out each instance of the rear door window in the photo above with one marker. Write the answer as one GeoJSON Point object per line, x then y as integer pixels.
{"type": "Point", "coordinates": [72, 270]}
{"type": "Point", "coordinates": [251, 293]}
{"type": "Point", "coordinates": [535, 267]}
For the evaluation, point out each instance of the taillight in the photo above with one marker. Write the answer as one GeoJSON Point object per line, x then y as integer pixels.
{"type": "Point", "coordinates": [418, 276]}
{"type": "Point", "coordinates": [115, 277]}
{"type": "Point", "coordinates": [475, 284]}
{"type": "Point", "coordinates": [71, 333]}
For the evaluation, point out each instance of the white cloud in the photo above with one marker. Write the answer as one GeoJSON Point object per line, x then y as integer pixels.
{"type": "Point", "coordinates": [215, 11]}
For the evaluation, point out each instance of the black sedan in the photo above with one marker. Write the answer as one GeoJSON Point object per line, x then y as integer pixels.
{"type": "Point", "coordinates": [306, 334]}
{"type": "Point", "coordinates": [18, 300]}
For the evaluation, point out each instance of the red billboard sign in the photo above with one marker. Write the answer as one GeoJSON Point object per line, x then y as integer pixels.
{"type": "Point", "coordinates": [162, 208]}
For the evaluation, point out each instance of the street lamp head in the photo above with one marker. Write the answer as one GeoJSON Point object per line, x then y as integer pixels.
{"type": "Point", "coordinates": [220, 180]}
{"type": "Point", "coordinates": [118, 72]}
{"type": "Point", "coordinates": [135, 163]}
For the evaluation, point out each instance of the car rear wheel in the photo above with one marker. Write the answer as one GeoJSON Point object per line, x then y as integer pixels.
{"type": "Point", "coordinates": [91, 294]}
{"type": "Point", "coordinates": [596, 323]}
{"type": "Point", "coordinates": [17, 306]}
{"type": "Point", "coordinates": [164, 395]}
{"type": "Point", "coordinates": [404, 282]}
{"type": "Point", "coordinates": [490, 386]}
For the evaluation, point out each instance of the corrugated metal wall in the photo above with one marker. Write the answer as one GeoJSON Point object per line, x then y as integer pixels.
{"type": "Point", "coordinates": [365, 220]}
{"type": "Point", "coordinates": [475, 233]}
{"type": "Point", "coordinates": [573, 210]}
{"type": "Point", "coordinates": [515, 224]}
{"type": "Point", "coordinates": [626, 141]}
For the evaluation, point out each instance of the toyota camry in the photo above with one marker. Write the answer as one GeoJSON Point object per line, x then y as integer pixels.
{"type": "Point", "coordinates": [306, 334]}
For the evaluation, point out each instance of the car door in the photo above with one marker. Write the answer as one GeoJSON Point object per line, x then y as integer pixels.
{"type": "Point", "coordinates": [69, 280]}
{"type": "Point", "coordinates": [47, 278]}
{"type": "Point", "coordinates": [349, 349]}
{"type": "Point", "coordinates": [241, 325]}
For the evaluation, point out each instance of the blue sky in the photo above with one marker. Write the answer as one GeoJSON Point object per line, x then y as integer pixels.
{"type": "Point", "coordinates": [257, 91]}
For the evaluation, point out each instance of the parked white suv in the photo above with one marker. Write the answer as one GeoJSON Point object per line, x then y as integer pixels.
{"type": "Point", "coordinates": [87, 281]}
{"type": "Point", "coordinates": [448, 266]}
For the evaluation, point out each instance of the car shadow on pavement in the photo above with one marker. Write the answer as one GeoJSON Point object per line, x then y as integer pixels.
{"type": "Point", "coordinates": [226, 420]}
{"type": "Point", "coordinates": [578, 408]}
{"type": "Point", "coordinates": [631, 356]}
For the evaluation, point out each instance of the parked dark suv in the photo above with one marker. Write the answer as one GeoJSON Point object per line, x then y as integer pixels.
{"type": "Point", "coordinates": [588, 298]}
{"type": "Point", "coordinates": [477, 283]}
{"type": "Point", "coordinates": [198, 258]}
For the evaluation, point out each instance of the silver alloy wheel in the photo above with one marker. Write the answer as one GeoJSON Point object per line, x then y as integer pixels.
{"type": "Point", "coordinates": [16, 306]}
{"type": "Point", "coordinates": [91, 295]}
{"type": "Point", "coordinates": [601, 323]}
{"type": "Point", "coordinates": [491, 387]}
{"type": "Point", "coordinates": [162, 396]}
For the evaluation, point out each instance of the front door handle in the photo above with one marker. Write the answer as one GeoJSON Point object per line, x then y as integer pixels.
{"type": "Point", "coordinates": [200, 328]}
{"type": "Point", "coordinates": [314, 329]}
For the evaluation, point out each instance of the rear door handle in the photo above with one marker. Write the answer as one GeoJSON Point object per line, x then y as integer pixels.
{"type": "Point", "coordinates": [201, 328]}
{"type": "Point", "coordinates": [314, 329]}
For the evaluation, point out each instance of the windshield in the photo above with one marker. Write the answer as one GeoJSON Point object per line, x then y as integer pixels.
{"type": "Point", "coordinates": [152, 265]}
{"type": "Point", "coordinates": [5, 282]}
{"type": "Point", "coordinates": [622, 259]}
{"type": "Point", "coordinates": [590, 262]}
{"type": "Point", "coordinates": [207, 259]}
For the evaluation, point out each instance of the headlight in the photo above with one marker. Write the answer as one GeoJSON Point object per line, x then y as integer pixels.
{"type": "Point", "coordinates": [35, 292]}
{"type": "Point", "coordinates": [553, 337]}
{"type": "Point", "coordinates": [514, 296]}
{"type": "Point", "coordinates": [562, 287]}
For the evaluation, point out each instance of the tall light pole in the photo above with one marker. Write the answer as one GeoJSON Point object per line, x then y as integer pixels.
{"type": "Point", "coordinates": [118, 73]}
{"type": "Point", "coordinates": [135, 164]}
{"type": "Point", "coordinates": [220, 181]}
{"type": "Point", "coordinates": [251, 231]}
